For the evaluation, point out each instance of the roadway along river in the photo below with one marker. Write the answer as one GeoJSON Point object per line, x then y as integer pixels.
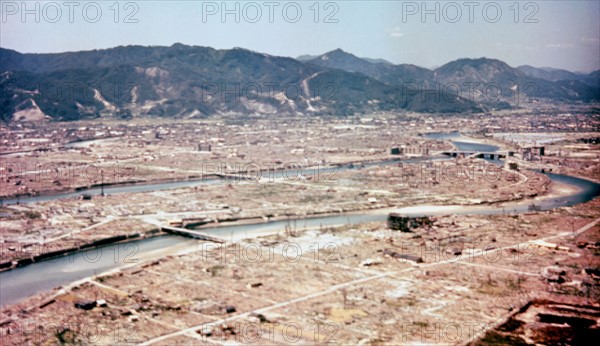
{"type": "Point", "coordinates": [23, 282]}
{"type": "Point", "coordinates": [290, 173]}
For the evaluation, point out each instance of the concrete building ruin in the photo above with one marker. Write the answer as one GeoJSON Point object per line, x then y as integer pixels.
{"type": "Point", "coordinates": [405, 223]}
{"type": "Point", "coordinates": [204, 147]}
{"type": "Point", "coordinates": [533, 153]}
{"type": "Point", "coordinates": [409, 150]}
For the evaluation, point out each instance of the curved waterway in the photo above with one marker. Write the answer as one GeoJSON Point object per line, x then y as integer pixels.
{"type": "Point", "coordinates": [290, 173]}
{"type": "Point", "coordinates": [457, 139]}
{"type": "Point", "coordinates": [461, 142]}
{"type": "Point", "coordinates": [21, 283]}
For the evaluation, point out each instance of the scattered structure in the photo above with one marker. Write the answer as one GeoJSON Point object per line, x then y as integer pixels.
{"type": "Point", "coordinates": [415, 150]}
{"type": "Point", "coordinates": [533, 153]}
{"type": "Point", "coordinates": [404, 223]}
{"type": "Point", "coordinates": [548, 323]}
{"type": "Point", "coordinates": [478, 154]}
{"type": "Point", "coordinates": [206, 147]}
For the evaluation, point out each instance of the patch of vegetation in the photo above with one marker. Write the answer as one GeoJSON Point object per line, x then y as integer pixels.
{"type": "Point", "coordinates": [66, 336]}
{"type": "Point", "coordinates": [515, 284]}
{"type": "Point", "coordinates": [32, 214]}
{"type": "Point", "coordinates": [214, 270]}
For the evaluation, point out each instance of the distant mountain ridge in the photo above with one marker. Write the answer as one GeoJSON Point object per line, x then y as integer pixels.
{"type": "Point", "coordinates": [490, 81]}
{"type": "Point", "coordinates": [553, 74]}
{"type": "Point", "coordinates": [192, 82]}
{"type": "Point", "coordinates": [385, 72]}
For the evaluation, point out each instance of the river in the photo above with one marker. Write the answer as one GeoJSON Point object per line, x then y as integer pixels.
{"type": "Point", "coordinates": [21, 283]}
{"type": "Point", "coordinates": [465, 145]}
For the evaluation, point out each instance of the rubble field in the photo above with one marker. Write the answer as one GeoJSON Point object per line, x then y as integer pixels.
{"type": "Point", "coordinates": [335, 285]}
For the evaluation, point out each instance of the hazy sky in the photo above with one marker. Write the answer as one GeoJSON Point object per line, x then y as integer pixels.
{"type": "Point", "coordinates": [561, 34]}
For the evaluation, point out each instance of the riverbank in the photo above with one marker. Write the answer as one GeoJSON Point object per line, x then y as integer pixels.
{"type": "Point", "coordinates": [52, 255]}
{"type": "Point", "coordinates": [229, 176]}
{"type": "Point", "coordinates": [365, 195]}
{"type": "Point", "coordinates": [223, 224]}
{"type": "Point", "coordinates": [353, 280]}
{"type": "Point", "coordinates": [284, 227]}
{"type": "Point", "coordinates": [224, 216]}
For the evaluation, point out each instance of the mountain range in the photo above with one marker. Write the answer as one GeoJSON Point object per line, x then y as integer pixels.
{"type": "Point", "coordinates": [193, 82]}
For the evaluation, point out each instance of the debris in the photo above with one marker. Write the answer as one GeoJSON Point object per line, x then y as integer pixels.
{"type": "Point", "coordinates": [398, 255]}
{"type": "Point", "coordinates": [548, 245]}
{"type": "Point", "coordinates": [86, 305]}
{"type": "Point", "coordinates": [51, 301]}
{"type": "Point", "coordinates": [228, 329]}
{"type": "Point", "coordinates": [206, 330]}
{"type": "Point", "coordinates": [554, 274]}
{"type": "Point", "coordinates": [369, 262]}
{"type": "Point", "coordinates": [134, 318]}
{"type": "Point", "coordinates": [260, 317]}
{"type": "Point", "coordinates": [594, 272]}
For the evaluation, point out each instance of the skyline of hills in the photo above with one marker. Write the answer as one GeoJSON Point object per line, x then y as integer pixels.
{"type": "Point", "coordinates": [467, 73]}
{"type": "Point", "coordinates": [549, 72]}
{"type": "Point", "coordinates": [192, 81]}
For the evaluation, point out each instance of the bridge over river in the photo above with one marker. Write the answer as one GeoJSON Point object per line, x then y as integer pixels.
{"type": "Point", "coordinates": [492, 155]}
